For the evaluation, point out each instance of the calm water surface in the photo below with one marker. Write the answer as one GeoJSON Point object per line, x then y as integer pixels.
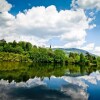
{"type": "Point", "coordinates": [28, 81]}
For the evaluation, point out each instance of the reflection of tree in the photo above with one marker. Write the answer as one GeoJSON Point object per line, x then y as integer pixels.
{"type": "Point", "coordinates": [91, 69]}
{"type": "Point", "coordinates": [82, 70]}
{"type": "Point", "coordinates": [24, 71]}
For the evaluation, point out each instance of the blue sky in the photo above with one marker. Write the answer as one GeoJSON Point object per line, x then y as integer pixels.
{"type": "Point", "coordinates": [94, 34]}
{"type": "Point", "coordinates": [20, 5]}
{"type": "Point", "coordinates": [61, 23]}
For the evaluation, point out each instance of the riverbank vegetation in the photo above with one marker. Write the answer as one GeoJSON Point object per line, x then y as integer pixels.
{"type": "Point", "coordinates": [25, 51]}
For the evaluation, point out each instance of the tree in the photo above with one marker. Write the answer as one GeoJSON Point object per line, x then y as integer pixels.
{"type": "Point", "coordinates": [23, 45]}
{"type": "Point", "coordinates": [59, 56]}
{"type": "Point", "coordinates": [28, 46]}
{"type": "Point", "coordinates": [71, 55]}
{"type": "Point", "coordinates": [18, 50]}
{"type": "Point", "coordinates": [2, 42]}
{"type": "Point", "coordinates": [71, 60]}
{"type": "Point", "coordinates": [14, 44]}
{"type": "Point", "coordinates": [89, 57]}
{"type": "Point", "coordinates": [1, 48]}
{"type": "Point", "coordinates": [98, 61]}
{"type": "Point", "coordinates": [77, 58]}
{"type": "Point", "coordinates": [7, 48]}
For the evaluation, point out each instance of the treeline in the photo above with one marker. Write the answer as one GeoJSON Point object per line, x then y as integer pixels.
{"type": "Point", "coordinates": [82, 59]}
{"type": "Point", "coordinates": [25, 51]}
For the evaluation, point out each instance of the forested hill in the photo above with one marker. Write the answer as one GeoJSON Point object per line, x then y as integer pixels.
{"type": "Point", "coordinates": [74, 50]}
{"type": "Point", "coordinates": [25, 51]}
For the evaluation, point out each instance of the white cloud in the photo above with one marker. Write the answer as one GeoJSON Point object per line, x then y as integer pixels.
{"type": "Point", "coordinates": [75, 44]}
{"type": "Point", "coordinates": [39, 24]}
{"type": "Point", "coordinates": [6, 24]}
{"type": "Point", "coordinates": [92, 48]}
{"type": "Point", "coordinates": [51, 23]}
{"type": "Point", "coordinates": [74, 35]}
{"type": "Point", "coordinates": [87, 4]}
{"type": "Point", "coordinates": [48, 22]}
{"type": "Point", "coordinates": [97, 50]}
{"type": "Point", "coordinates": [4, 6]}
{"type": "Point", "coordinates": [88, 47]}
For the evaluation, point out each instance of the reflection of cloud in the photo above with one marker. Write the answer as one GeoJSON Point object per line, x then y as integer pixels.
{"type": "Point", "coordinates": [19, 91]}
{"type": "Point", "coordinates": [29, 83]}
{"type": "Point", "coordinates": [76, 92]}
{"type": "Point", "coordinates": [89, 79]}
{"type": "Point", "coordinates": [76, 88]}
{"type": "Point", "coordinates": [71, 88]}
{"type": "Point", "coordinates": [96, 75]}
{"type": "Point", "coordinates": [75, 81]}
{"type": "Point", "coordinates": [92, 78]}
{"type": "Point", "coordinates": [37, 89]}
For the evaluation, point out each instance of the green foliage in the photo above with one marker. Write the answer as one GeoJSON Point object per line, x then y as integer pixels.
{"type": "Point", "coordinates": [5, 56]}
{"type": "Point", "coordinates": [28, 46]}
{"type": "Point", "coordinates": [23, 71]}
{"type": "Point", "coordinates": [59, 56]}
{"type": "Point", "coordinates": [71, 60]}
{"type": "Point", "coordinates": [74, 58]}
{"type": "Point", "coordinates": [82, 59]}
{"type": "Point", "coordinates": [25, 51]}
{"type": "Point", "coordinates": [98, 61]}
{"type": "Point", "coordinates": [2, 42]}
{"type": "Point", "coordinates": [1, 48]}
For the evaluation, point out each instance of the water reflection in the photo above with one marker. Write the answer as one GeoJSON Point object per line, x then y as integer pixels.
{"type": "Point", "coordinates": [35, 89]}
{"type": "Point", "coordinates": [23, 71]}
{"type": "Point", "coordinates": [28, 81]}
{"type": "Point", "coordinates": [55, 88]}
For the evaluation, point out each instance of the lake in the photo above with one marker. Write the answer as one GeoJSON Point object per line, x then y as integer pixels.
{"type": "Point", "coordinates": [36, 81]}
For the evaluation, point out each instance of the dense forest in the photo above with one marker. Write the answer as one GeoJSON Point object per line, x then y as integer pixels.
{"type": "Point", "coordinates": [25, 51]}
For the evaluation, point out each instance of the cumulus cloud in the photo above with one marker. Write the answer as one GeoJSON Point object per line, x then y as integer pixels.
{"type": "Point", "coordinates": [48, 22]}
{"type": "Point", "coordinates": [4, 6]}
{"type": "Point", "coordinates": [92, 48]}
{"type": "Point", "coordinates": [97, 50]}
{"type": "Point", "coordinates": [76, 44]}
{"type": "Point", "coordinates": [39, 25]}
{"type": "Point", "coordinates": [6, 25]}
{"type": "Point", "coordinates": [87, 4]}
{"type": "Point", "coordinates": [88, 47]}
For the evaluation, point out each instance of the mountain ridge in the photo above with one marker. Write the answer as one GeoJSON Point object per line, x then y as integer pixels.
{"type": "Point", "coordinates": [74, 50]}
